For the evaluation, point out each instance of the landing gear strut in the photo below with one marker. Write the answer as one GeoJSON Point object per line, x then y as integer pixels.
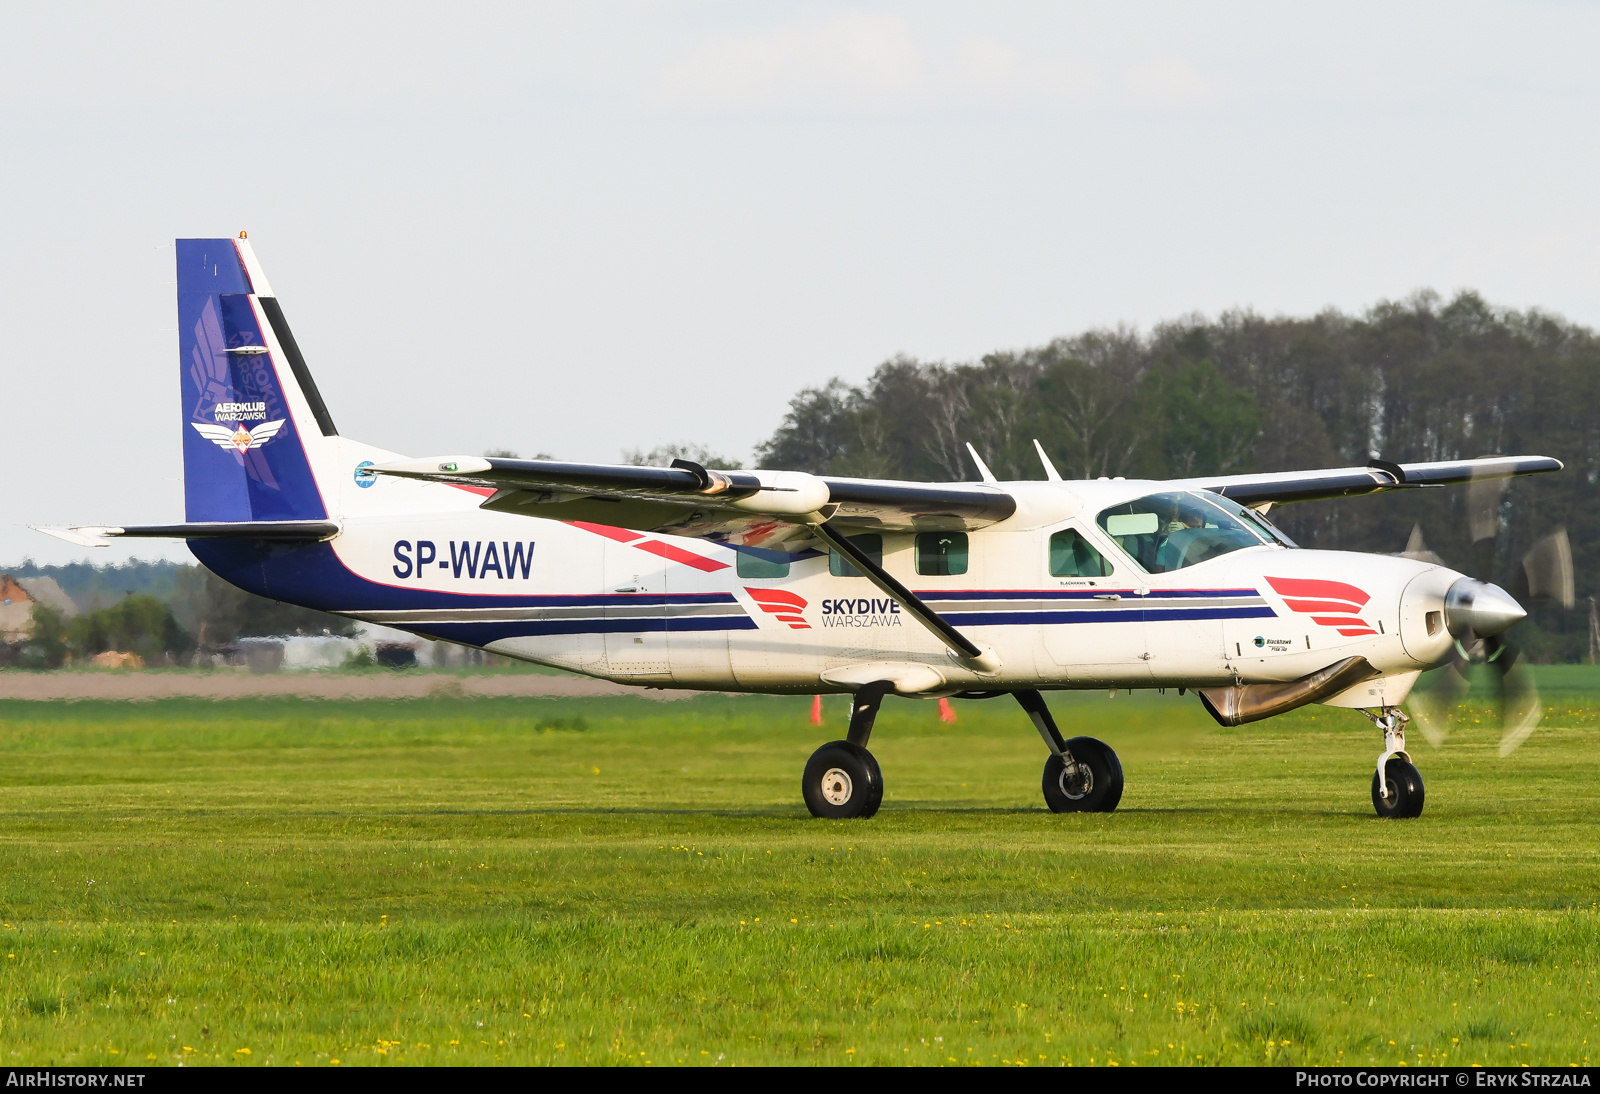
{"type": "Point", "coordinates": [842, 778]}
{"type": "Point", "coordinates": [1397, 789]}
{"type": "Point", "coordinates": [1082, 775]}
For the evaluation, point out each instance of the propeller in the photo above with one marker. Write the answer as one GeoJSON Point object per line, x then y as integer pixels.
{"type": "Point", "coordinates": [1480, 616]}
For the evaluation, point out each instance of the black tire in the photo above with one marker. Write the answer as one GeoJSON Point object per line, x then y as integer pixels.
{"type": "Point", "coordinates": [1096, 785]}
{"type": "Point", "coordinates": [842, 780]}
{"type": "Point", "coordinates": [1406, 792]}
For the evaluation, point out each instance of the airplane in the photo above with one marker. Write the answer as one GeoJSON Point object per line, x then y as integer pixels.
{"type": "Point", "coordinates": [782, 581]}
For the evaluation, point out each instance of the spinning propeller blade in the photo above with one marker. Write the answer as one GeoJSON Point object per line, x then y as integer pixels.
{"type": "Point", "coordinates": [1431, 706]}
{"type": "Point", "coordinates": [1546, 574]}
{"type": "Point", "coordinates": [1547, 568]}
{"type": "Point", "coordinates": [1482, 616]}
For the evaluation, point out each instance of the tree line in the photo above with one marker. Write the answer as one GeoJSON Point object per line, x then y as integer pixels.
{"type": "Point", "coordinates": [1413, 380]}
{"type": "Point", "coordinates": [187, 610]}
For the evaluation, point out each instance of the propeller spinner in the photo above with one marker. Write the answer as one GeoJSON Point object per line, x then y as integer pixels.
{"type": "Point", "coordinates": [1476, 609]}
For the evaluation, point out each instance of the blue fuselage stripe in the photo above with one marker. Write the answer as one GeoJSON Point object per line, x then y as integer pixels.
{"type": "Point", "coordinates": [481, 634]}
{"type": "Point", "coordinates": [934, 596]}
{"type": "Point", "coordinates": [1152, 615]}
{"type": "Point", "coordinates": [1100, 615]}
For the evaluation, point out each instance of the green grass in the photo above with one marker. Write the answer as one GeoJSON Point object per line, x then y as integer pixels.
{"type": "Point", "coordinates": [623, 881]}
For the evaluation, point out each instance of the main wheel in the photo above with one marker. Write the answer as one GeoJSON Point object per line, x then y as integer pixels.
{"type": "Point", "coordinates": [1405, 791]}
{"type": "Point", "coordinates": [1091, 784]}
{"type": "Point", "coordinates": [842, 780]}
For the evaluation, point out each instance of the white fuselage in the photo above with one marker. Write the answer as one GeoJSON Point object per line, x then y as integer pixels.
{"type": "Point", "coordinates": [658, 610]}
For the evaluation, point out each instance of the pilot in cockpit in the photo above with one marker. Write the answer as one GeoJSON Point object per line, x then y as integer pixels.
{"type": "Point", "coordinates": [1188, 523]}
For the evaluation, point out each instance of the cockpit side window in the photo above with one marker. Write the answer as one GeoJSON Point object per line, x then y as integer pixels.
{"type": "Point", "coordinates": [1251, 517]}
{"type": "Point", "coordinates": [1073, 556]}
{"type": "Point", "coordinates": [1167, 532]}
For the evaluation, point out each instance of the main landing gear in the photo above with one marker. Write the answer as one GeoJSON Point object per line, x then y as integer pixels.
{"type": "Point", "coordinates": [1082, 775]}
{"type": "Point", "coordinates": [842, 779]}
{"type": "Point", "coordinates": [1397, 789]}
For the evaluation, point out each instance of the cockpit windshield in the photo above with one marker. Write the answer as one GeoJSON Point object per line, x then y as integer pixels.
{"type": "Point", "coordinates": [1166, 532]}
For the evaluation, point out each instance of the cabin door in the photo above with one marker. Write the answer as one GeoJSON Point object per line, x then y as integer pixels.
{"type": "Point", "coordinates": [1183, 633]}
{"type": "Point", "coordinates": [635, 616]}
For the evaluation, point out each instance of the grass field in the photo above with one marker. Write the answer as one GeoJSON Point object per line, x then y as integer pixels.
{"type": "Point", "coordinates": [621, 881]}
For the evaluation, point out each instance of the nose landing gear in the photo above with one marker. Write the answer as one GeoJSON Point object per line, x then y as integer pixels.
{"type": "Point", "coordinates": [1397, 789]}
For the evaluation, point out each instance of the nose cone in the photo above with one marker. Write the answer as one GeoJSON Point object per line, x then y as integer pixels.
{"type": "Point", "coordinates": [1474, 607]}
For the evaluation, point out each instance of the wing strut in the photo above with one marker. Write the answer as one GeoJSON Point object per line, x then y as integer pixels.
{"type": "Point", "coordinates": [1039, 712]}
{"type": "Point", "coordinates": [981, 659]}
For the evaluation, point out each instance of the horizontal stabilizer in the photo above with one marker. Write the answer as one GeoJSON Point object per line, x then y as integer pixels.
{"type": "Point", "coordinates": [101, 535]}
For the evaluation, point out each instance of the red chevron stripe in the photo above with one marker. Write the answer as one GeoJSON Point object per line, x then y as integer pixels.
{"type": "Point", "coordinates": [678, 554]}
{"type": "Point", "coordinates": [1322, 606]}
{"type": "Point", "coordinates": [783, 604]}
{"type": "Point", "coordinates": [776, 597]}
{"type": "Point", "coordinates": [1316, 587]}
{"type": "Point", "coordinates": [621, 535]}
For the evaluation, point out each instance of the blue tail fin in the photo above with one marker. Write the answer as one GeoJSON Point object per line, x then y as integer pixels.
{"type": "Point", "coordinates": [253, 422]}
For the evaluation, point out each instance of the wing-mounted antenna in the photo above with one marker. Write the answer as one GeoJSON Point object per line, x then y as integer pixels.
{"type": "Point", "coordinates": [1050, 471]}
{"type": "Point", "coordinates": [983, 468]}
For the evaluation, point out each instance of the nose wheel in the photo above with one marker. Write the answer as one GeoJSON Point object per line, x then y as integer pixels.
{"type": "Point", "coordinates": [1397, 790]}
{"type": "Point", "coordinates": [1399, 793]}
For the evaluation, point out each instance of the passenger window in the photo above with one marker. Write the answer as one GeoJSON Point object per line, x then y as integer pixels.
{"type": "Point", "coordinates": [871, 545]}
{"type": "Point", "coordinates": [753, 563]}
{"type": "Point", "coordinates": [1073, 556]}
{"type": "Point", "coordinates": [942, 553]}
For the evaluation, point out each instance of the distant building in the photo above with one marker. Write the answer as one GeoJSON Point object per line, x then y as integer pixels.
{"type": "Point", "coordinates": [383, 645]}
{"type": "Point", "coordinates": [20, 596]}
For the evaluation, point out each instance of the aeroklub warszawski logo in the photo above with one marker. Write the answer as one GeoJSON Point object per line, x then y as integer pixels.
{"type": "Point", "coordinates": [237, 436]}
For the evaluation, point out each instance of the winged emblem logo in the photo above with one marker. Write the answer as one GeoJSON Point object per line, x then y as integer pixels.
{"type": "Point", "coordinates": [238, 437]}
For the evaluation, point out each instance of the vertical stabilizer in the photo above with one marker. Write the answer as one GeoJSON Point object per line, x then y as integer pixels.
{"type": "Point", "coordinates": [252, 417]}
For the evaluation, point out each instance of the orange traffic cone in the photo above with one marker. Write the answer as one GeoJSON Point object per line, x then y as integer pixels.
{"type": "Point", "coordinates": [947, 713]}
{"type": "Point", "coordinates": [816, 710]}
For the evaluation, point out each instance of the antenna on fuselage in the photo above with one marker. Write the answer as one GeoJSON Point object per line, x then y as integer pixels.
{"type": "Point", "coordinates": [983, 469]}
{"type": "Point", "coordinates": [1050, 471]}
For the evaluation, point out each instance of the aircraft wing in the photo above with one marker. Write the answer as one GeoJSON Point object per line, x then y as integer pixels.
{"type": "Point", "coordinates": [766, 509]}
{"type": "Point", "coordinates": [1343, 482]}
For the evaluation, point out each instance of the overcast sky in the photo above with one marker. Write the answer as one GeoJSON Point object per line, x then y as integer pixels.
{"type": "Point", "coordinates": [579, 228]}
